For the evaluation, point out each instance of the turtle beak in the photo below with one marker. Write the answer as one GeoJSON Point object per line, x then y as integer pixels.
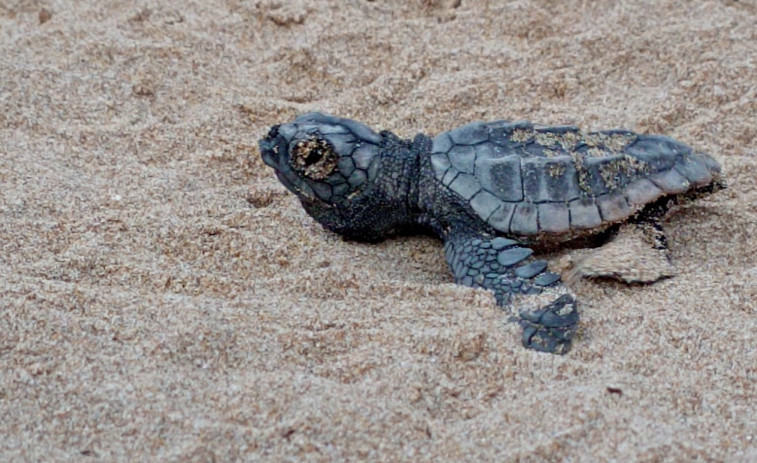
{"type": "Point", "coordinates": [269, 147]}
{"type": "Point", "coordinates": [273, 151]}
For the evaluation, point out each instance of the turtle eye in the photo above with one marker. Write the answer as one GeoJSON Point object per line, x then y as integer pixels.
{"type": "Point", "coordinates": [314, 157]}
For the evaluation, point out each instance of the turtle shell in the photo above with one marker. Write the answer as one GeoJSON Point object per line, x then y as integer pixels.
{"type": "Point", "coordinates": [523, 179]}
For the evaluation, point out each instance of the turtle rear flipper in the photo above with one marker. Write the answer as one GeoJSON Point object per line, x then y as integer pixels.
{"type": "Point", "coordinates": [507, 269]}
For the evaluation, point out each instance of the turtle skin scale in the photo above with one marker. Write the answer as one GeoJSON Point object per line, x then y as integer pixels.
{"type": "Point", "coordinates": [492, 191]}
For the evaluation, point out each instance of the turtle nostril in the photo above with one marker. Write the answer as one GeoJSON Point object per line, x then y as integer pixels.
{"type": "Point", "coordinates": [273, 133]}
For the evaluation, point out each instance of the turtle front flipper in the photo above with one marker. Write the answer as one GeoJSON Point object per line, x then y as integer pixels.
{"type": "Point", "coordinates": [507, 269]}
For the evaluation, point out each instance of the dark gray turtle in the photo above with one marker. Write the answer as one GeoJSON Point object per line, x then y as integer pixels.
{"type": "Point", "coordinates": [491, 191]}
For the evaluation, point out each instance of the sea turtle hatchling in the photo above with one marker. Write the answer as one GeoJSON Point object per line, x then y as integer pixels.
{"type": "Point", "coordinates": [492, 191]}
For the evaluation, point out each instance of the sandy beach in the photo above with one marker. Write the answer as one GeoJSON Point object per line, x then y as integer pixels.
{"type": "Point", "coordinates": [164, 298]}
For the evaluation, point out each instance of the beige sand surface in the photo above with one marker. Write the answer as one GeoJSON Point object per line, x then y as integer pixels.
{"type": "Point", "coordinates": [163, 298]}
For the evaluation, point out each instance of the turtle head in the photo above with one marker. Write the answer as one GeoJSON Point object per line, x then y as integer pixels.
{"type": "Point", "coordinates": [330, 163]}
{"type": "Point", "coordinates": [322, 159]}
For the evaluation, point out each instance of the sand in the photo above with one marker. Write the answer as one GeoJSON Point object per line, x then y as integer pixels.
{"type": "Point", "coordinates": [164, 298]}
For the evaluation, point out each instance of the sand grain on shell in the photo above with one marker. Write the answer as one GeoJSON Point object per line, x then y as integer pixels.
{"type": "Point", "coordinates": [163, 298]}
